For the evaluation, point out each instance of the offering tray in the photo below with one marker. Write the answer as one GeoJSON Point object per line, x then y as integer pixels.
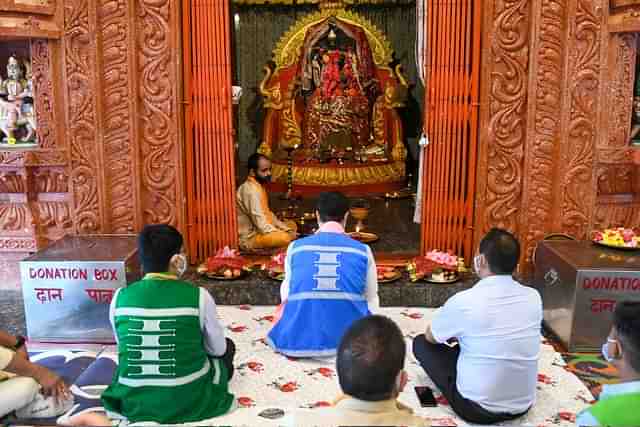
{"type": "Point", "coordinates": [397, 275]}
{"type": "Point", "coordinates": [618, 247]}
{"type": "Point", "coordinates": [363, 236]}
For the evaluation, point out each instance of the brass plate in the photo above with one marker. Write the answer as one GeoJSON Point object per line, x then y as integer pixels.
{"type": "Point", "coordinates": [430, 279]}
{"type": "Point", "coordinates": [202, 270]}
{"type": "Point", "coordinates": [363, 236]}
{"type": "Point", "coordinates": [622, 248]}
{"type": "Point", "coordinates": [398, 274]}
{"type": "Point", "coordinates": [275, 276]}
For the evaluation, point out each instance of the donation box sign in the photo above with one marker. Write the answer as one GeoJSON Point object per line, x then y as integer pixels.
{"type": "Point", "coordinates": [68, 300]}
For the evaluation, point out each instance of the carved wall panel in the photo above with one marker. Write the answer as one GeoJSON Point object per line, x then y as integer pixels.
{"type": "Point", "coordinates": [43, 93]}
{"type": "Point", "coordinates": [160, 148]}
{"type": "Point", "coordinates": [622, 61]}
{"type": "Point", "coordinates": [582, 108]}
{"type": "Point", "coordinates": [50, 181]}
{"type": "Point", "coordinates": [503, 114]}
{"type": "Point", "coordinates": [547, 89]}
{"type": "Point", "coordinates": [118, 109]}
{"type": "Point", "coordinates": [40, 7]}
{"type": "Point", "coordinates": [13, 181]}
{"type": "Point", "coordinates": [15, 217]}
{"type": "Point", "coordinates": [82, 133]}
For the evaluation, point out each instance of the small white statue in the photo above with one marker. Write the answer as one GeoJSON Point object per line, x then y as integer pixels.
{"type": "Point", "coordinates": [14, 111]}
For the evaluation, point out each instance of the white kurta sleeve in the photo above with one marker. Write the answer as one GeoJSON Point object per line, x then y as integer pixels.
{"type": "Point", "coordinates": [212, 331]}
{"type": "Point", "coordinates": [371, 292]}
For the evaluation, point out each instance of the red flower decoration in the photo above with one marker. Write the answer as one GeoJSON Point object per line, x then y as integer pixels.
{"type": "Point", "coordinates": [238, 328]}
{"type": "Point", "coordinates": [289, 387]}
{"type": "Point", "coordinates": [255, 366]}
{"type": "Point", "coordinates": [244, 307]}
{"type": "Point", "coordinates": [325, 372]}
{"type": "Point", "coordinates": [247, 402]}
{"type": "Point", "coordinates": [268, 318]}
{"type": "Point", "coordinates": [567, 416]}
{"type": "Point", "coordinates": [320, 404]}
{"type": "Point", "coordinates": [442, 400]}
{"type": "Point", "coordinates": [542, 378]}
{"type": "Point", "coordinates": [413, 315]}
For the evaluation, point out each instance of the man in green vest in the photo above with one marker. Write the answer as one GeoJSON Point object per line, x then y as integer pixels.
{"type": "Point", "coordinates": [619, 403]}
{"type": "Point", "coordinates": [174, 363]}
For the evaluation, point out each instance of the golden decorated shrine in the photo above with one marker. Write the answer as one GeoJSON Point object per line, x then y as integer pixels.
{"type": "Point", "coordinates": [332, 106]}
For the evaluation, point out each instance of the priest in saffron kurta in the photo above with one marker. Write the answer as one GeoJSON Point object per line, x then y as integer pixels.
{"type": "Point", "coordinates": [258, 227]}
{"type": "Point", "coordinates": [174, 362]}
{"type": "Point", "coordinates": [330, 282]}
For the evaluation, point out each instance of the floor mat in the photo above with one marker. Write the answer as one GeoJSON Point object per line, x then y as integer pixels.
{"type": "Point", "coordinates": [264, 379]}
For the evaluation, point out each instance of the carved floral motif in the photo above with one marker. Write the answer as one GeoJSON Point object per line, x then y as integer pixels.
{"type": "Point", "coordinates": [54, 214]}
{"type": "Point", "coordinates": [43, 93]}
{"type": "Point", "coordinates": [620, 105]}
{"type": "Point", "coordinates": [50, 181]}
{"type": "Point", "coordinates": [12, 182]}
{"type": "Point", "coordinates": [549, 55]}
{"type": "Point", "coordinates": [14, 217]}
{"type": "Point", "coordinates": [81, 115]}
{"type": "Point", "coordinates": [117, 138]}
{"type": "Point", "coordinates": [616, 215]}
{"type": "Point", "coordinates": [9, 244]}
{"type": "Point", "coordinates": [159, 143]}
{"type": "Point", "coordinates": [507, 111]}
{"type": "Point", "coordinates": [578, 191]}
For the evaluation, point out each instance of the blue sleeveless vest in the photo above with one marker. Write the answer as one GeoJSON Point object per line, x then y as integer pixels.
{"type": "Point", "coordinates": [326, 295]}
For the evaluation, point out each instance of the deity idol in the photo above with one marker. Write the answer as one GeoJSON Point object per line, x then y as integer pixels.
{"type": "Point", "coordinates": [14, 111]}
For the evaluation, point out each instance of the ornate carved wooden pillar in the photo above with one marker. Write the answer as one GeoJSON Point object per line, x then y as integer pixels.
{"type": "Point", "coordinates": [503, 115]}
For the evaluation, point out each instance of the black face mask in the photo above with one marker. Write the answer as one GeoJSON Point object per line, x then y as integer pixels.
{"type": "Point", "coordinates": [263, 179]}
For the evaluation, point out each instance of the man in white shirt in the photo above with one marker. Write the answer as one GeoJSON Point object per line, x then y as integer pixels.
{"type": "Point", "coordinates": [370, 365]}
{"type": "Point", "coordinates": [490, 375]}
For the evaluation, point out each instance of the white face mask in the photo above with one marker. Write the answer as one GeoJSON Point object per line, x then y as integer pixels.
{"type": "Point", "coordinates": [476, 263]}
{"type": "Point", "coordinates": [179, 264]}
{"type": "Point", "coordinates": [605, 351]}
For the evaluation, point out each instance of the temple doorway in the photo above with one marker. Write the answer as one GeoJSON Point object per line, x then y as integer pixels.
{"type": "Point", "coordinates": [334, 97]}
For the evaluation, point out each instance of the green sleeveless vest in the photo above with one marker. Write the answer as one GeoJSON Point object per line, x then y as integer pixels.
{"type": "Point", "coordinates": [618, 411]}
{"type": "Point", "coordinates": [164, 374]}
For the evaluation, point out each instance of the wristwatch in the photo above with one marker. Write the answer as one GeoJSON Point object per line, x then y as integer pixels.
{"type": "Point", "coordinates": [20, 340]}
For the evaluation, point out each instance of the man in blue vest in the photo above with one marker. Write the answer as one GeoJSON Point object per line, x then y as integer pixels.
{"type": "Point", "coordinates": [330, 282]}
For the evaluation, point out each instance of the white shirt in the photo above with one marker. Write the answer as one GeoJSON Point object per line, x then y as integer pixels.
{"type": "Point", "coordinates": [497, 324]}
{"type": "Point", "coordinates": [371, 289]}
{"type": "Point", "coordinates": [212, 332]}
{"type": "Point", "coordinates": [355, 412]}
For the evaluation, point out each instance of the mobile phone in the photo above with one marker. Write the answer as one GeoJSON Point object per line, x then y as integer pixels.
{"type": "Point", "coordinates": [425, 396]}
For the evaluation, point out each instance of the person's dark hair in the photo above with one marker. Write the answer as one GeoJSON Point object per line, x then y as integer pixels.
{"type": "Point", "coordinates": [332, 206]}
{"type": "Point", "coordinates": [370, 357]}
{"type": "Point", "coordinates": [626, 320]}
{"type": "Point", "coordinates": [157, 243]}
{"type": "Point", "coordinates": [252, 162]}
{"type": "Point", "coordinates": [502, 251]}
